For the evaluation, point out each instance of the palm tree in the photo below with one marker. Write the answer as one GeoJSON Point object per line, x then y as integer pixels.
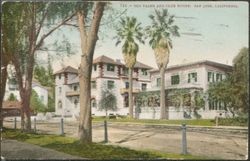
{"type": "Point", "coordinates": [128, 31]}
{"type": "Point", "coordinates": [159, 32]}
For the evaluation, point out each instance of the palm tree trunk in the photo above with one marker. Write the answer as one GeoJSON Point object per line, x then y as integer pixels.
{"type": "Point", "coordinates": [163, 99]}
{"type": "Point", "coordinates": [130, 92]}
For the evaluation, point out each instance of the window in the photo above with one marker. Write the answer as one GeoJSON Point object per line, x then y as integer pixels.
{"type": "Point", "coordinates": [144, 72]}
{"type": "Point", "coordinates": [59, 76]}
{"type": "Point", "coordinates": [218, 77]}
{"type": "Point", "coordinates": [93, 103]}
{"type": "Point", "coordinates": [210, 77]}
{"type": "Point", "coordinates": [192, 77]}
{"type": "Point", "coordinates": [110, 67]}
{"type": "Point", "coordinates": [175, 79]}
{"type": "Point", "coordinates": [75, 87]}
{"type": "Point", "coordinates": [125, 71]}
{"type": "Point", "coordinates": [94, 66]}
{"type": "Point", "coordinates": [111, 84]}
{"type": "Point", "coordinates": [59, 104]}
{"type": "Point", "coordinates": [158, 82]}
{"type": "Point", "coordinates": [60, 90]}
{"type": "Point", "coordinates": [93, 84]}
{"type": "Point", "coordinates": [76, 102]}
{"type": "Point", "coordinates": [126, 85]}
{"type": "Point", "coordinates": [143, 86]}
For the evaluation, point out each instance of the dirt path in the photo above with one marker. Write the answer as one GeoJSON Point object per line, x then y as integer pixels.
{"type": "Point", "coordinates": [212, 144]}
{"type": "Point", "coordinates": [12, 149]}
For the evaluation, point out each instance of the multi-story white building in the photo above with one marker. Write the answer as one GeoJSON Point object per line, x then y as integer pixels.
{"type": "Point", "coordinates": [12, 88]}
{"type": "Point", "coordinates": [109, 73]}
{"type": "Point", "coordinates": [192, 77]}
{"type": "Point", "coordinates": [106, 73]}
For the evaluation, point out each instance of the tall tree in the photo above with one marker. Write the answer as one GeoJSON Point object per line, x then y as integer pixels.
{"type": "Point", "coordinates": [89, 37]}
{"type": "Point", "coordinates": [241, 79]}
{"type": "Point", "coordinates": [108, 100]}
{"type": "Point", "coordinates": [234, 90]}
{"type": "Point", "coordinates": [129, 31]}
{"type": "Point", "coordinates": [160, 33]}
{"type": "Point", "coordinates": [23, 23]}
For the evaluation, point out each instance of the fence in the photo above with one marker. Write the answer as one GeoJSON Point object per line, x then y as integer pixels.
{"type": "Point", "coordinates": [60, 130]}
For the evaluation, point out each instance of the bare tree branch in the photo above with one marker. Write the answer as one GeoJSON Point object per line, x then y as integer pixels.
{"type": "Point", "coordinates": [52, 30]}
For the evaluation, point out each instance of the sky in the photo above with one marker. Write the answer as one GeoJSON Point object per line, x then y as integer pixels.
{"type": "Point", "coordinates": [214, 31]}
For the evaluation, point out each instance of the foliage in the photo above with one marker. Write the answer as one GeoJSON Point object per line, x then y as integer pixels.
{"type": "Point", "coordinates": [12, 97]}
{"type": "Point", "coordinates": [234, 89]}
{"type": "Point", "coordinates": [51, 104]}
{"type": "Point", "coordinates": [128, 31]}
{"type": "Point", "coordinates": [236, 121]}
{"type": "Point", "coordinates": [148, 98]}
{"type": "Point", "coordinates": [108, 100]}
{"type": "Point", "coordinates": [43, 76]}
{"type": "Point", "coordinates": [36, 103]}
{"type": "Point", "coordinates": [162, 28]}
{"type": "Point", "coordinates": [91, 151]}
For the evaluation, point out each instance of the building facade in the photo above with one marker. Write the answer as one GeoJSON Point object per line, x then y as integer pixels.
{"type": "Point", "coordinates": [106, 74]}
{"type": "Point", "coordinates": [113, 74]}
{"type": "Point", "coordinates": [12, 88]}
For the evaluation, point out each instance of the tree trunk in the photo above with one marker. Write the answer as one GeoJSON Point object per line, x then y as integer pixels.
{"type": "Point", "coordinates": [88, 43]}
{"type": "Point", "coordinates": [130, 92]}
{"type": "Point", "coordinates": [3, 85]}
{"type": "Point", "coordinates": [164, 113]}
{"type": "Point", "coordinates": [85, 124]}
{"type": "Point", "coordinates": [26, 110]}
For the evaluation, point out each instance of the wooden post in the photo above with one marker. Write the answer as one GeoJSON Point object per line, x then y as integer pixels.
{"type": "Point", "coordinates": [15, 123]}
{"type": "Point", "coordinates": [62, 129]}
{"type": "Point", "coordinates": [184, 140]}
{"type": "Point", "coordinates": [35, 125]}
{"type": "Point", "coordinates": [105, 131]}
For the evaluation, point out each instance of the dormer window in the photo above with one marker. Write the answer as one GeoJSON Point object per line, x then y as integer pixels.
{"type": "Point", "coordinates": [110, 67]}
{"type": "Point", "coordinates": [144, 72]}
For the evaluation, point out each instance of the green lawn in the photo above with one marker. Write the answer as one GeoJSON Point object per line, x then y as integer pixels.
{"type": "Point", "coordinates": [199, 122]}
{"type": "Point", "coordinates": [93, 151]}
{"type": "Point", "coordinates": [237, 121]}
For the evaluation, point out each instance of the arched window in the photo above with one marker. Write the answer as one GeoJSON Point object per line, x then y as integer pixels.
{"type": "Point", "coordinates": [59, 104]}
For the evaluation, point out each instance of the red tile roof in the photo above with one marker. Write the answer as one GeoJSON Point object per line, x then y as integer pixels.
{"type": "Point", "coordinates": [67, 69]}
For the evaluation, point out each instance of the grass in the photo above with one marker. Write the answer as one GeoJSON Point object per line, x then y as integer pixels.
{"type": "Point", "coordinates": [198, 122]}
{"type": "Point", "coordinates": [92, 151]}
{"type": "Point", "coordinates": [237, 121]}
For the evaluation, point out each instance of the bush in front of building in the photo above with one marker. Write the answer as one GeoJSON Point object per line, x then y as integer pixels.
{"type": "Point", "coordinates": [236, 121]}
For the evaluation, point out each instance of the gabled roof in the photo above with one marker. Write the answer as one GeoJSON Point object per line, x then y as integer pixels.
{"type": "Point", "coordinates": [67, 69]}
{"type": "Point", "coordinates": [206, 62]}
{"type": "Point", "coordinates": [141, 65]}
{"type": "Point", "coordinates": [105, 59]}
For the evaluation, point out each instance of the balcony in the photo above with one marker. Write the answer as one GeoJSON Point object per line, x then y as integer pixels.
{"type": "Point", "coordinates": [125, 76]}
{"type": "Point", "coordinates": [72, 93]}
{"type": "Point", "coordinates": [125, 90]}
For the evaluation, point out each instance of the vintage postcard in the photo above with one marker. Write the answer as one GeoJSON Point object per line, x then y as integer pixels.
{"type": "Point", "coordinates": [124, 80]}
